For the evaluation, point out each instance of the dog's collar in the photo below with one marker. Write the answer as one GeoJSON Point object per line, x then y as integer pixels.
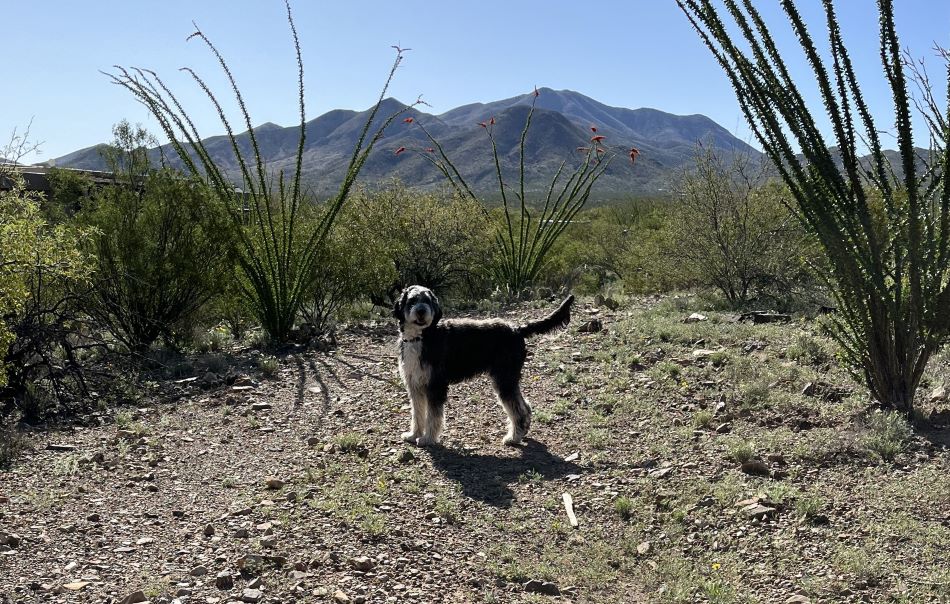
{"type": "Point", "coordinates": [415, 339]}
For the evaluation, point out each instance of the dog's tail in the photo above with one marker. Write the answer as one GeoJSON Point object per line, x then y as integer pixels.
{"type": "Point", "coordinates": [559, 318]}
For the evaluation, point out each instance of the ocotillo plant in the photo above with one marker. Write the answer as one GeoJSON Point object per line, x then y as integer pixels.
{"type": "Point", "coordinates": [526, 235]}
{"type": "Point", "coordinates": [885, 229]}
{"type": "Point", "coordinates": [276, 249]}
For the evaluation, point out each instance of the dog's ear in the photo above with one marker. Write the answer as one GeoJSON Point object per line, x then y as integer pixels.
{"type": "Point", "coordinates": [399, 308]}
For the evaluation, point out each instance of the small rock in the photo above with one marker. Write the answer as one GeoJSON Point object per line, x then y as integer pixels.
{"type": "Point", "coordinates": [209, 530]}
{"type": "Point", "coordinates": [60, 447]}
{"type": "Point", "coordinates": [341, 598]}
{"type": "Point", "coordinates": [757, 510]}
{"type": "Point", "coordinates": [756, 467]}
{"type": "Point", "coordinates": [405, 456]}
{"type": "Point", "coordinates": [241, 533]}
{"type": "Point", "coordinates": [198, 571]}
{"type": "Point", "coordinates": [798, 599]}
{"type": "Point", "coordinates": [291, 496]}
{"type": "Point", "coordinates": [695, 318]}
{"type": "Point", "coordinates": [644, 548]}
{"type": "Point", "coordinates": [134, 598]}
{"type": "Point", "coordinates": [775, 458]}
{"type": "Point", "coordinates": [313, 441]}
{"type": "Point", "coordinates": [9, 539]}
{"type": "Point", "coordinates": [724, 428]}
{"type": "Point", "coordinates": [268, 542]}
{"type": "Point", "coordinates": [255, 583]}
{"type": "Point", "coordinates": [938, 395]}
{"type": "Point", "coordinates": [274, 483]}
{"type": "Point", "coordinates": [252, 596]}
{"type": "Point", "coordinates": [93, 518]}
{"type": "Point", "coordinates": [76, 585]}
{"type": "Point", "coordinates": [362, 563]}
{"type": "Point", "coordinates": [542, 587]}
{"type": "Point", "coordinates": [592, 326]}
{"type": "Point", "coordinates": [660, 473]}
{"type": "Point", "coordinates": [178, 513]}
{"type": "Point", "coordinates": [224, 580]}
{"type": "Point", "coordinates": [260, 406]}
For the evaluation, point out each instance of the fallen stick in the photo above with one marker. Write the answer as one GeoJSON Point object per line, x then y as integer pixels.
{"type": "Point", "coordinates": [569, 506]}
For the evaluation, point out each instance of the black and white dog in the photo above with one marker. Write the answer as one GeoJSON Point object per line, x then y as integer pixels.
{"type": "Point", "coordinates": [434, 354]}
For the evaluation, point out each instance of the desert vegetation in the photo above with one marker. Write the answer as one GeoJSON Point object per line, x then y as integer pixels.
{"type": "Point", "coordinates": [199, 398]}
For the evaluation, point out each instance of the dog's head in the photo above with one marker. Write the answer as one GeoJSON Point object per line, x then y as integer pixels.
{"type": "Point", "coordinates": [417, 308]}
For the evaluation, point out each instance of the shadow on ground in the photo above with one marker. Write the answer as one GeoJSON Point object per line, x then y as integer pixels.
{"type": "Point", "coordinates": [487, 478]}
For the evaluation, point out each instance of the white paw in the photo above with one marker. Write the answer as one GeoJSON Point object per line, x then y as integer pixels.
{"type": "Point", "coordinates": [512, 440]}
{"type": "Point", "coordinates": [425, 441]}
{"type": "Point", "coordinates": [410, 437]}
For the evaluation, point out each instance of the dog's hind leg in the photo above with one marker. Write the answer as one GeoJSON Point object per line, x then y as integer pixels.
{"type": "Point", "coordinates": [516, 408]}
{"type": "Point", "coordinates": [436, 395]}
{"type": "Point", "coordinates": [419, 417]}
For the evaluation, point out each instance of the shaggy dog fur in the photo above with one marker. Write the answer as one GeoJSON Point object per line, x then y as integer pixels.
{"type": "Point", "coordinates": [434, 354]}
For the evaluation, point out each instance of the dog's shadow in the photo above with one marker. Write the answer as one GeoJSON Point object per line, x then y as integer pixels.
{"type": "Point", "coordinates": [487, 478]}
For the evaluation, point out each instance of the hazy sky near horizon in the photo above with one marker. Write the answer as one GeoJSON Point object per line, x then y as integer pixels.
{"type": "Point", "coordinates": [634, 53]}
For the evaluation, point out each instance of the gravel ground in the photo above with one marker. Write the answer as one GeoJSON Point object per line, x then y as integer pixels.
{"type": "Point", "coordinates": [296, 487]}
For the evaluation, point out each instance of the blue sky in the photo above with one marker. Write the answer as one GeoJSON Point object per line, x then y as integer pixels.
{"type": "Point", "coordinates": [638, 53]}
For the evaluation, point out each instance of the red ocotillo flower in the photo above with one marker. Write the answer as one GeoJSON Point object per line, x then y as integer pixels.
{"type": "Point", "coordinates": [408, 120]}
{"type": "Point", "coordinates": [491, 122]}
{"type": "Point", "coordinates": [483, 124]}
{"type": "Point", "coordinates": [601, 150]}
{"type": "Point", "coordinates": [400, 150]}
{"type": "Point", "coordinates": [598, 138]}
{"type": "Point", "coordinates": [634, 152]}
{"type": "Point", "coordinates": [593, 128]}
{"type": "Point", "coordinates": [536, 92]}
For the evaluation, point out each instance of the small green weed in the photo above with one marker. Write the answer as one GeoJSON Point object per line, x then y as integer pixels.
{"type": "Point", "coordinates": [887, 435]}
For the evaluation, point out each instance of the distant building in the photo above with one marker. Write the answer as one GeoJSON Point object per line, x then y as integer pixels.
{"type": "Point", "coordinates": [37, 177]}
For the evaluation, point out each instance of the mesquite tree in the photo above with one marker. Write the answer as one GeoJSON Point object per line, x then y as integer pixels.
{"type": "Point", "coordinates": [884, 228]}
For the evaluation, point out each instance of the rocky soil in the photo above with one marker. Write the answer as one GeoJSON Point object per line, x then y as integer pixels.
{"type": "Point", "coordinates": [705, 461]}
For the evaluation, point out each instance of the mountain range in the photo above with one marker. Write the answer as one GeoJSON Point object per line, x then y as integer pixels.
{"type": "Point", "coordinates": [562, 122]}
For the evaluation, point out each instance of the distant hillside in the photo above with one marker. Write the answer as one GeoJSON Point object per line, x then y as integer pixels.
{"type": "Point", "coordinates": [561, 123]}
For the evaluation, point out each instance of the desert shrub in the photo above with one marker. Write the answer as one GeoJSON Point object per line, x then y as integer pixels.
{"type": "Point", "coordinates": [619, 244]}
{"type": "Point", "coordinates": [438, 240]}
{"type": "Point", "coordinates": [68, 190]}
{"type": "Point", "coordinates": [731, 230]}
{"type": "Point", "coordinates": [157, 247]}
{"type": "Point", "coordinates": [353, 263]}
{"type": "Point", "coordinates": [40, 264]}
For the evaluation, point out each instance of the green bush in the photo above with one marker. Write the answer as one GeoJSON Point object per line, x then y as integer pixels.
{"type": "Point", "coordinates": [40, 264]}
{"type": "Point", "coordinates": [731, 230]}
{"type": "Point", "coordinates": [622, 243]}
{"type": "Point", "coordinates": [436, 240]}
{"type": "Point", "coordinates": [157, 247]}
{"type": "Point", "coordinates": [353, 262]}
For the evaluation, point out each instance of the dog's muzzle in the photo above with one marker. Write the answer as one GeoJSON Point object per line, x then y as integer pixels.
{"type": "Point", "coordinates": [420, 314]}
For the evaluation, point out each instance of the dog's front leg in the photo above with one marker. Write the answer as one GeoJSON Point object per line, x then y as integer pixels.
{"type": "Point", "coordinates": [419, 415]}
{"type": "Point", "coordinates": [436, 395]}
